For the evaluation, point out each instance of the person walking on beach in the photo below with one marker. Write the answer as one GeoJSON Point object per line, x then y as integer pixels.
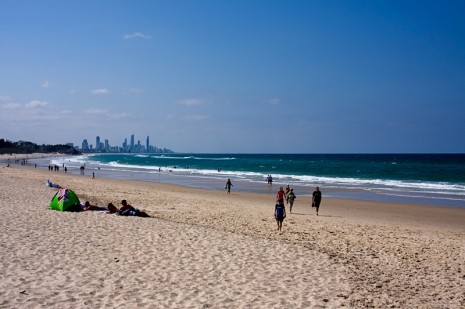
{"type": "Point", "coordinates": [291, 197]}
{"type": "Point", "coordinates": [288, 189]}
{"type": "Point", "coordinates": [228, 185]}
{"type": "Point", "coordinates": [280, 196]}
{"type": "Point", "coordinates": [316, 199]}
{"type": "Point", "coordinates": [280, 214]}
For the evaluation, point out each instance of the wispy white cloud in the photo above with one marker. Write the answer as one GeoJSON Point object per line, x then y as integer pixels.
{"type": "Point", "coordinates": [36, 104]}
{"type": "Point", "coordinates": [191, 102]}
{"type": "Point", "coordinates": [95, 111]}
{"type": "Point", "coordinates": [100, 91]}
{"type": "Point", "coordinates": [65, 111]}
{"type": "Point", "coordinates": [195, 117]}
{"type": "Point", "coordinates": [32, 113]}
{"type": "Point", "coordinates": [11, 105]}
{"type": "Point", "coordinates": [136, 90]}
{"type": "Point", "coordinates": [273, 101]}
{"type": "Point", "coordinates": [46, 84]}
{"type": "Point", "coordinates": [118, 116]}
{"type": "Point", "coordinates": [136, 35]}
{"type": "Point", "coordinates": [102, 112]}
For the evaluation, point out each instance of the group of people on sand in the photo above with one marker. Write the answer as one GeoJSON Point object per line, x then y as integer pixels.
{"type": "Point", "coordinates": [282, 195]}
{"type": "Point", "coordinates": [125, 210]}
{"type": "Point", "coordinates": [289, 196]}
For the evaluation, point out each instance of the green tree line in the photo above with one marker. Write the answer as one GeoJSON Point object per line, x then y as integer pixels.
{"type": "Point", "coordinates": [9, 147]}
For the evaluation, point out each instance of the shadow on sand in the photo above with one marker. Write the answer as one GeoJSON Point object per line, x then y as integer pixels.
{"type": "Point", "coordinates": [328, 216]}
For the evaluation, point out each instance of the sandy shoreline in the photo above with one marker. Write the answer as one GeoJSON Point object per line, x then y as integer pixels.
{"type": "Point", "coordinates": [207, 249]}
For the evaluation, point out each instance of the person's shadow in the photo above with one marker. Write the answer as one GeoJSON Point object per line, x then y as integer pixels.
{"type": "Point", "coordinates": [328, 216]}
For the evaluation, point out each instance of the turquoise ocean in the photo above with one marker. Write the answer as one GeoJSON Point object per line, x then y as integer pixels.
{"type": "Point", "coordinates": [432, 179]}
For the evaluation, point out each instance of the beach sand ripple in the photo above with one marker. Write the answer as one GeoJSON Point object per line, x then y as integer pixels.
{"type": "Point", "coordinates": [207, 249]}
{"type": "Point", "coordinates": [53, 259]}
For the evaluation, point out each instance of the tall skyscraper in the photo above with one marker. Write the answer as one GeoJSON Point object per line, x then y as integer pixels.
{"type": "Point", "coordinates": [85, 145]}
{"type": "Point", "coordinates": [147, 145]}
{"type": "Point", "coordinates": [132, 142]}
{"type": "Point", "coordinates": [97, 143]}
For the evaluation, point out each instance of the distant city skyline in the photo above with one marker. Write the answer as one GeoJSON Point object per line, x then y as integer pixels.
{"type": "Point", "coordinates": [132, 147]}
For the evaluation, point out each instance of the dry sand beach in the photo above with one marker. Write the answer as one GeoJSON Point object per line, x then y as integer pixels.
{"type": "Point", "coordinates": [207, 249]}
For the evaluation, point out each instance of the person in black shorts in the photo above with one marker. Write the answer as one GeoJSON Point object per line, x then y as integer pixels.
{"type": "Point", "coordinates": [316, 199]}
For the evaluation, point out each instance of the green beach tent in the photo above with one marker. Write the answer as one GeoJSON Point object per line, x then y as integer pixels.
{"type": "Point", "coordinates": [64, 200]}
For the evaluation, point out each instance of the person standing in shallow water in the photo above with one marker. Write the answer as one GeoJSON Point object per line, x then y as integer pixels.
{"type": "Point", "coordinates": [316, 199]}
{"type": "Point", "coordinates": [228, 185]}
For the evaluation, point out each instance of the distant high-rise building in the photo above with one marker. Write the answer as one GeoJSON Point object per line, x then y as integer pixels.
{"type": "Point", "coordinates": [85, 145]}
{"type": "Point", "coordinates": [132, 142]}
{"type": "Point", "coordinates": [147, 145]}
{"type": "Point", "coordinates": [107, 145]}
{"type": "Point", "coordinates": [97, 143]}
{"type": "Point", "coordinates": [125, 145]}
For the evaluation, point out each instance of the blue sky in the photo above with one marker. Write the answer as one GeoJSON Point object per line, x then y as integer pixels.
{"type": "Point", "coordinates": [236, 76]}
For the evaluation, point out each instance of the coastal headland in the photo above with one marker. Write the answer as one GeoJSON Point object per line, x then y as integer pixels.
{"type": "Point", "coordinates": [208, 249]}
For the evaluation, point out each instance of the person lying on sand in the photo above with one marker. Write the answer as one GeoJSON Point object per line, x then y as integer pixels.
{"type": "Point", "coordinates": [52, 185]}
{"type": "Point", "coordinates": [126, 210]}
{"type": "Point", "coordinates": [112, 209]}
{"type": "Point", "coordinates": [88, 206]}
